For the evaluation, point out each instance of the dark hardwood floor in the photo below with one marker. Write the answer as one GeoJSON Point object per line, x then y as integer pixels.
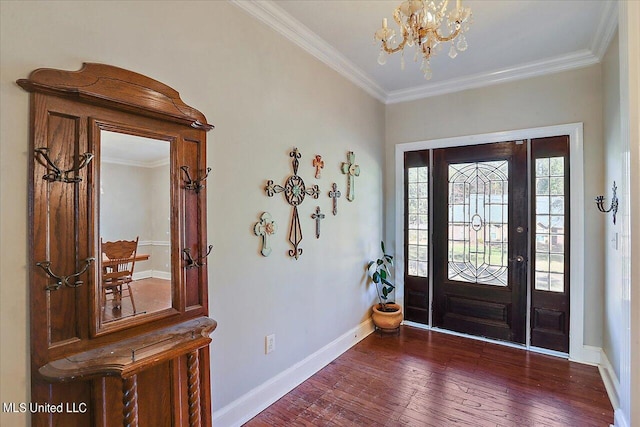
{"type": "Point", "coordinates": [426, 378]}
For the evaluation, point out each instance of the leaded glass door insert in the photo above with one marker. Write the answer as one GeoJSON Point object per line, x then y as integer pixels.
{"type": "Point", "coordinates": [478, 209]}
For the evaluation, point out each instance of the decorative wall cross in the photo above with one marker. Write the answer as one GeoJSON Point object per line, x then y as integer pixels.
{"type": "Point", "coordinates": [335, 194]}
{"type": "Point", "coordinates": [350, 169]}
{"type": "Point", "coordinates": [318, 163]}
{"type": "Point", "coordinates": [318, 216]}
{"type": "Point", "coordinates": [294, 192]}
{"type": "Point", "coordinates": [265, 228]}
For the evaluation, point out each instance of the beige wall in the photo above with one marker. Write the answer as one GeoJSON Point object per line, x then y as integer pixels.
{"type": "Point", "coordinates": [612, 338]}
{"type": "Point", "coordinates": [567, 97]}
{"type": "Point", "coordinates": [265, 96]}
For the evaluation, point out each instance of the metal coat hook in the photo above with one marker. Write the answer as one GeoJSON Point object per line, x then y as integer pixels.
{"type": "Point", "coordinates": [63, 280]}
{"type": "Point", "coordinates": [614, 203]}
{"type": "Point", "coordinates": [59, 174]}
{"type": "Point", "coordinates": [197, 262]}
{"type": "Point", "coordinates": [194, 184]}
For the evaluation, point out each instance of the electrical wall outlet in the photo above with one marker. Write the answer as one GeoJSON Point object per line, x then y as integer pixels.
{"type": "Point", "coordinates": [269, 343]}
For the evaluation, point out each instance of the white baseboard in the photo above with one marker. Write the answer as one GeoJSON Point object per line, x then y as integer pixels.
{"type": "Point", "coordinates": [610, 380]}
{"type": "Point", "coordinates": [255, 401]}
{"type": "Point", "coordinates": [146, 274]}
{"type": "Point", "coordinates": [619, 419]}
{"type": "Point", "coordinates": [139, 275]}
{"type": "Point", "coordinates": [586, 354]}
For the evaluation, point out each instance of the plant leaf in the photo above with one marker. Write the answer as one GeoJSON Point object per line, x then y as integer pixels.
{"type": "Point", "coordinates": [382, 246]}
{"type": "Point", "coordinates": [383, 275]}
{"type": "Point", "coordinates": [385, 292]}
{"type": "Point", "coordinates": [376, 277]}
{"type": "Point", "coordinates": [370, 264]}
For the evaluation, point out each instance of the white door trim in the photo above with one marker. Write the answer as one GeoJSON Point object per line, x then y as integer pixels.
{"type": "Point", "coordinates": [577, 350]}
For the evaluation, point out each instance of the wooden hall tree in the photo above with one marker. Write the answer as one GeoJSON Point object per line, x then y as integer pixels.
{"type": "Point", "coordinates": [88, 369]}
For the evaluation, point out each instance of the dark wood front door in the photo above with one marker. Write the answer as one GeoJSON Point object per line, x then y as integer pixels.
{"type": "Point", "coordinates": [480, 229]}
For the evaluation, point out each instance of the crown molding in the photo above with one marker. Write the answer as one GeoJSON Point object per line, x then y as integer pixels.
{"type": "Point", "coordinates": [579, 59]}
{"type": "Point", "coordinates": [275, 17]}
{"type": "Point", "coordinates": [606, 29]}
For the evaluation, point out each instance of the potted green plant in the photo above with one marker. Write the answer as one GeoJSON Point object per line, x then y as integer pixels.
{"type": "Point", "coordinates": [385, 315]}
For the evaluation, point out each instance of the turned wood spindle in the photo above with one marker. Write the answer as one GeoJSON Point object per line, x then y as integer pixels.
{"type": "Point", "coordinates": [130, 401]}
{"type": "Point", "coordinates": [193, 382]}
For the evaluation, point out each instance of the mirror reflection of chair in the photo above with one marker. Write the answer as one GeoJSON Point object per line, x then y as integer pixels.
{"type": "Point", "coordinates": [118, 259]}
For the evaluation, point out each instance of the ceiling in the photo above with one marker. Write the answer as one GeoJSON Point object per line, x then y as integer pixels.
{"type": "Point", "coordinates": [508, 40]}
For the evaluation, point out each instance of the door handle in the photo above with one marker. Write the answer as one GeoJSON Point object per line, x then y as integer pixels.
{"type": "Point", "coordinates": [518, 258]}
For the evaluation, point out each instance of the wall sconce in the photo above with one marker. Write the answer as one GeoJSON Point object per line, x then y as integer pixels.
{"type": "Point", "coordinates": [614, 203]}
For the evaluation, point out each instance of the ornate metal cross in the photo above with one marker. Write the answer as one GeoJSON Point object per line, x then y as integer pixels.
{"type": "Point", "coordinates": [335, 194]}
{"type": "Point", "coordinates": [350, 169]}
{"type": "Point", "coordinates": [318, 216]}
{"type": "Point", "coordinates": [294, 192]}
{"type": "Point", "coordinates": [265, 228]}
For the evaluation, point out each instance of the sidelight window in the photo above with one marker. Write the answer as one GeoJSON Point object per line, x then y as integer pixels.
{"type": "Point", "coordinates": [418, 221]}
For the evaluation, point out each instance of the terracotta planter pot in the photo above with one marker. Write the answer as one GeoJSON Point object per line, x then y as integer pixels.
{"type": "Point", "coordinates": [387, 320]}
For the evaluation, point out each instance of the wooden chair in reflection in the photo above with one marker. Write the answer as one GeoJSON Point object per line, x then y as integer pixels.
{"type": "Point", "coordinates": [118, 259]}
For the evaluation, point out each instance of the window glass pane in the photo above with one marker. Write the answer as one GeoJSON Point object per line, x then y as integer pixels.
{"type": "Point", "coordinates": [542, 281]}
{"type": "Point", "coordinates": [542, 261]}
{"type": "Point", "coordinates": [412, 269]}
{"type": "Point", "coordinates": [542, 224]}
{"type": "Point", "coordinates": [423, 174]}
{"type": "Point", "coordinates": [556, 166]}
{"type": "Point", "coordinates": [542, 186]}
{"type": "Point", "coordinates": [423, 237]}
{"type": "Point", "coordinates": [542, 167]}
{"type": "Point", "coordinates": [413, 237]}
{"type": "Point", "coordinates": [542, 205]}
{"type": "Point", "coordinates": [556, 282]}
{"type": "Point", "coordinates": [556, 263]}
{"type": "Point", "coordinates": [422, 253]}
{"type": "Point", "coordinates": [557, 243]}
{"type": "Point", "coordinates": [557, 204]}
{"type": "Point", "coordinates": [413, 252]}
{"type": "Point", "coordinates": [413, 191]}
{"type": "Point", "coordinates": [556, 185]}
{"type": "Point", "coordinates": [542, 243]}
{"type": "Point", "coordinates": [413, 205]}
{"type": "Point", "coordinates": [422, 269]}
{"type": "Point", "coordinates": [423, 206]}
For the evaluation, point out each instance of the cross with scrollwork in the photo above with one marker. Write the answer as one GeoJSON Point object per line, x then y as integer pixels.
{"type": "Point", "coordinates": [294, 192]}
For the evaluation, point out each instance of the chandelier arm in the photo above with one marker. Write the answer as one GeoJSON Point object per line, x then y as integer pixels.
{"type": "Point", "coordinates": [449, 37]}
{"type": "Point", "coordinates": [394, 49]}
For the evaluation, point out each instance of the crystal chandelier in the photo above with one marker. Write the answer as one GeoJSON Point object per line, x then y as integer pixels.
{"type": "Point", "coordinates": [421, 23]}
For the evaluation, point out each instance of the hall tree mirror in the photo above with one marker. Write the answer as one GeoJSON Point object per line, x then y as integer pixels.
{"type": "Point", "coordinates": [118, 250]}
{"type": "Point", "coordinates": [134, 206]}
